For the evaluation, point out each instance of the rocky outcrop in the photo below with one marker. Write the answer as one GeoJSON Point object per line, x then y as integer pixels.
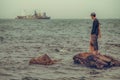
{"type": "Point", "coordinates": [95, 61]}
{"type": "Point", "coordinates": [43, 60]}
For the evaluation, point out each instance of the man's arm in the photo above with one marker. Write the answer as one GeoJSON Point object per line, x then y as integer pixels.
{"type": "Point", "coordinates": [99, 32]}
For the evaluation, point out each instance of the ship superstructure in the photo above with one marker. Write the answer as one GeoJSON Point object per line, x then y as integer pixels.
{"type": "Point", "coordinates": [34, 16]}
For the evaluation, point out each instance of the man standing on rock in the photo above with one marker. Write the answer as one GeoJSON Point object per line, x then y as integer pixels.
{"type": "Point", "coordinates": [95, 33]}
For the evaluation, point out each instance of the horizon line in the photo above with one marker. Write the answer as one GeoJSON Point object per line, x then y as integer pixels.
{"type": "Point", "coordinates": [63, 18]}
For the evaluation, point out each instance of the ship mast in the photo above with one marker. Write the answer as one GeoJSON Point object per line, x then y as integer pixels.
{"type": "Point", "coordinates": [35, 14]}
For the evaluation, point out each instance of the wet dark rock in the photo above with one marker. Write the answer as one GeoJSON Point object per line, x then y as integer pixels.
{"type": "Point", "coordinates": [43, 60]}
{"type": "Point", "coordinates": [14, 79]}
{"type": "Point", "coordinates": [29, 78]}
{"type": "Point", "coordinates": [57, 50]}
{"type": "Point", "coordinates": [96, 61]}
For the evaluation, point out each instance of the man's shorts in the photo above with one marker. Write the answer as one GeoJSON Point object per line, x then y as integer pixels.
{"type": "Point", "coordinates": [94, 41]}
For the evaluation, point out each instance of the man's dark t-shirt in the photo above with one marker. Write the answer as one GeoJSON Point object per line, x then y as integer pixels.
{"type": "Point", "coordinates": [95, 27]}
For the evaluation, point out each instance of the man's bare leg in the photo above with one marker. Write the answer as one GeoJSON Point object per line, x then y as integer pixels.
{"type": "Point", "coordinates": [91, 48]}
{"type": "Point", "coordinates": [96, 52]}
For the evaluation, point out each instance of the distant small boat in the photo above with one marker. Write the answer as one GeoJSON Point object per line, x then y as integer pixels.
{"type": "Point", "coordinates": [35, 16]}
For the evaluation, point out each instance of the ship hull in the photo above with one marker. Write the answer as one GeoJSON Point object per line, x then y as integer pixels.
{"type": "Point", "coordinates": [44, 18]}
{"type": "Point", "coordinates": [23, 17]}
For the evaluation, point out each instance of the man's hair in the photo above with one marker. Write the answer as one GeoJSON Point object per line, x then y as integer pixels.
{"type": "Point", "coordinates": [93, 14]}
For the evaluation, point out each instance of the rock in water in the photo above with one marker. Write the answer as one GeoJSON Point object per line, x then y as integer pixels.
{"type": "Point", "coordinates": [43, 60]}
{"type": "Point", "coordinates": [29, 78]}
{"type": "Point", "coordinates": [95, 61]}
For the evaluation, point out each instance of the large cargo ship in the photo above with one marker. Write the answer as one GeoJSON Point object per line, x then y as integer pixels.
{"type": "Point", "coordinates": [34, 16]}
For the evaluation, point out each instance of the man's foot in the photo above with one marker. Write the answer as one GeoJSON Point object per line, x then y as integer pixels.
{"type": "Point", "coordinates": [96, 53]}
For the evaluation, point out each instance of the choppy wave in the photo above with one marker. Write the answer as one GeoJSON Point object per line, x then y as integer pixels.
{"type": "Point", "coordinates": [20, 40]}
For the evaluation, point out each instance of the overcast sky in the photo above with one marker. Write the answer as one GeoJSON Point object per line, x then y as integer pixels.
{"type": "Point", "coordinates": [61, 8]}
